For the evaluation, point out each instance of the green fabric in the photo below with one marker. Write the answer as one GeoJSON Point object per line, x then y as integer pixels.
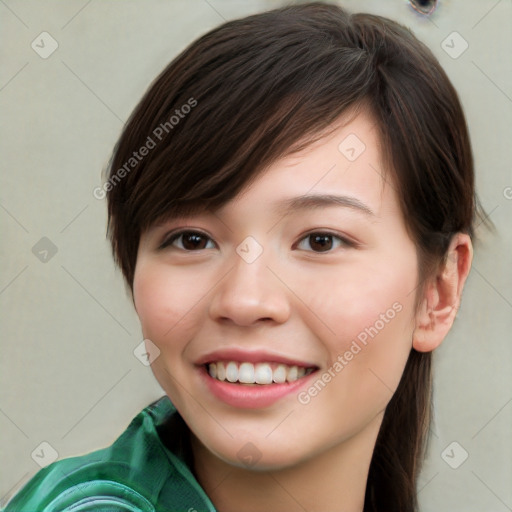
{"type": "Point", "coordinates": [136, 473]}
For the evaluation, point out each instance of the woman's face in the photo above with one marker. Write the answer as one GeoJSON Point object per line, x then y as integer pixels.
{"type": "Point", "coordinates": [305, 284]}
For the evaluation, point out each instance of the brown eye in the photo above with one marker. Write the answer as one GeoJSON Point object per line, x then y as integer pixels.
{"type": "Point", "coordinates": [322, 242]}
{"type": "Point", "coordinates": [189, 241]}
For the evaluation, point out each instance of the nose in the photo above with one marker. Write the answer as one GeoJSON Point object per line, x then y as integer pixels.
{"type": "Point", "coordinates": [250, 294]}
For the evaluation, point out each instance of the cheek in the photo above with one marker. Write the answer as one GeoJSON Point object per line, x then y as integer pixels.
{"type": "Point", "coordinates": [379, 316]}
{"type": "Point", "coordinates": [362, 301]}
{"type": "Point", "coordinates": [380, 321]}
{"type": "Point", "coordinates": [369, 310]}
{"type": "Point", "coordinates": [165, 302]}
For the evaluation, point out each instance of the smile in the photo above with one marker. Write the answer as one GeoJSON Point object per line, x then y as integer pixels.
{"type": "Point", "coordinates": [264, 373]}
{"type": "Point", "coordinates": [252, 379]}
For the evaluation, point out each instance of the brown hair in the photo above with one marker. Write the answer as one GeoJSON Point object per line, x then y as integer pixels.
{"type": "Point", "coordinates": [260, 87]}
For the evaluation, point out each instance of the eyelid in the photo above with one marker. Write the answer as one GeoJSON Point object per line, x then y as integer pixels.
{"type": "Point", "coordinates": [347, 241]}
{"type": "Point", "coordinates": [328, 231]}
{"type": "Point", "coordinates": [172, 235]}
{"type": "Point", "coordinates": [176, 233]}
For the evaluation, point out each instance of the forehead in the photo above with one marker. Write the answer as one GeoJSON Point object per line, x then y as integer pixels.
{"type": "Point", "coordinates": [347, 161]}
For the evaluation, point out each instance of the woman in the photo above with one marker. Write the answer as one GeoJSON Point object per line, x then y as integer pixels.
{"type": "Point", "coordinates": [292, 206]}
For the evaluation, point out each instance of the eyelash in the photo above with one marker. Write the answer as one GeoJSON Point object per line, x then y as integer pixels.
{"type": "Point", "coordinates": [344, 242]}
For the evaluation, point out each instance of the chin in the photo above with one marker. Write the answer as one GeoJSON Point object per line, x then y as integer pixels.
{"type": "Point", "coordinates": [255, 453]}
{"type": "Point", "coordinates": [250, 458]}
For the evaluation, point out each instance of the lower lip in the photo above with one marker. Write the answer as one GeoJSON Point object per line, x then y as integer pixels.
{"type": "Point", "coordinates": [251, 396]}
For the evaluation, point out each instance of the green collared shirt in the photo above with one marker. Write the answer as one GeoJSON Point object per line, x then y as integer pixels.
{"type": "Point", "coordinates": [144, 470]}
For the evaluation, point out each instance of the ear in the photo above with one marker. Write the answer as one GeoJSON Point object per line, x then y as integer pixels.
{"type": "Point", "coordinates": [442, 296]}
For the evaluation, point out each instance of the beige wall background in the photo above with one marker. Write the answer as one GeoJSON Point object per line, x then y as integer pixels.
{"type": "Point", "coordinates": [69, 376]}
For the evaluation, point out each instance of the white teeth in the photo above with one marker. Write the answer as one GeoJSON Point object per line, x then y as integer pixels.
{"type": "Point", "coordinates": [221, 371]}
{"type": "Point", "coordinates": [232, 372]}
{"type": "Point", "coordinates": [263, 373]}
{"type": "Point", "coordinates": [246, 373]}
{"type": "Point", "coordinates": [279, 376]}
{"type": "Point", "coordinates": [260, 373]}
{"type": "Point", "coordinates": [293, 374]}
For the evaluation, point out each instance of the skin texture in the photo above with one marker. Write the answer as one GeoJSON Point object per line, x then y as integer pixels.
{"type": "Point", "coordinates": [298, 303]}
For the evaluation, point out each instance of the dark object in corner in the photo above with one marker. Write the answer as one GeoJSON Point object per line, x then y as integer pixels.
{"type": "Point", "coordinates": [424, 6]}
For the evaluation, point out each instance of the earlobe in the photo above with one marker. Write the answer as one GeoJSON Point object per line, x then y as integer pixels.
{"type": "Point", "coordinates": [442, 296]}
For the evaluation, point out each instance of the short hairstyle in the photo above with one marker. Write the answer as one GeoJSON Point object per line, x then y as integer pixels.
{"type": "Point", "coordinates": [258, 88]}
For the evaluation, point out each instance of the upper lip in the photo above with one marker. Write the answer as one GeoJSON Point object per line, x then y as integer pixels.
{"type": "Point", "coordinates": [253, 356]}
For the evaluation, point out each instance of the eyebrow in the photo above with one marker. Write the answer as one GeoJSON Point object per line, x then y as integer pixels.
{"type": "Point", "coordinates": [311, 201]}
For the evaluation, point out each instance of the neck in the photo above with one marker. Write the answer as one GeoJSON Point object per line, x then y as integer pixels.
{"type": "Point", "coordinates": [333, 480]}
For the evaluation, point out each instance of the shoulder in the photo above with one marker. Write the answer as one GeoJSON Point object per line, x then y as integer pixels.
{"type": "Point", "coordinates": [130, 475]}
